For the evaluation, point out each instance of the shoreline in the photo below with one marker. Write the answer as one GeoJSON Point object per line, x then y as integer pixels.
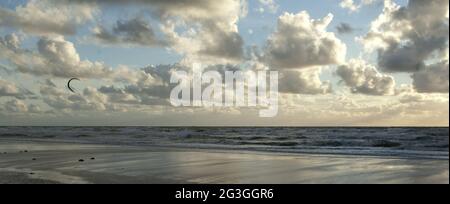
{"type": "Point", "coordinates": [59, 162]}
{"type": "Point", "coordinates": [219, 148]}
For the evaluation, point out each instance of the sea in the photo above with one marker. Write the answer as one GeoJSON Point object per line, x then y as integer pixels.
{"type": "Point", "coordinates": [411, 142]}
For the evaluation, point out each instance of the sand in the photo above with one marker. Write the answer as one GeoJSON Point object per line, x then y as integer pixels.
{"type": "Point", "coordinates": [51, 162]}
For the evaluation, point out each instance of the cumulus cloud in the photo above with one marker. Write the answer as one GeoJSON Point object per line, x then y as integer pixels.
{"type": "Point", "coordinates": [210, 36]}
{"type": "Point", "coordinates": [9, 46]}
{"type": "Point", "coordinates": [10, 89]}
{"type": "Point", "coordinates": [151, 87]}
{"type": "Point", "coordinates": [406, 37]}
{"type": "Point", "coordinates": [207, 31]}
{"type": "Point", "coordinates": [300, 42]}
{"type": "Point", "coordinates": [209, 39]}
{"type": "Point", "coordinates": [219, 43]}
{"type": "Point", "coordinates": [432, 79]}
{"type": "Point", "coordinates": [10, 41]}
{"type": "Point", "coordinates": [19, 106]}
{"type": "Point", "coordinates": [138, 88]}
{"type": "Point", "coordinates": [352, 6]}
{"type": "Point", "coordinates": [88, 100]}
{"type": "Point", "coordinates": [305, 81]}
{"type": "Point", "coordinates": [136, 31]}
{"type": "Point", "coordinates": [364, 78]}
{"type": "Point", "coordinates": [60, 99]}
{"type": "Point", "coordinates": [44, 17]}
{"type": "Point", "coordinates": [57, 57]}
{"type": "Point", "coordinates": [48, 88]}
{"type": "Point", "coordinates": [204, 31]}
{"type": "Point", "coordinates": [349, 4]}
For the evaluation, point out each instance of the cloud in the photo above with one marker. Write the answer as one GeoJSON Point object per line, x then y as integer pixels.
{"type": "Point", "coordinates": [406, 37]}
{"type": "Point", "coordinates": [10, 89]}
{"type": "Point", "coordinates": [432, 79]}
{"type": "Point", "coordinates": [351, 110]}
{"type": "Point", "coordinates": [222, 44]}
{"type": "Point", "coordinates": [48, 88]}
{"type": "Point", "coordinates": [151, 87]}
{"type": "Point", "coordinates": [363, 78]}
{"type": "Point", "coordinates": [210, 26]}
{"type": "Point", "coordinates": [135, 88]}
{"type": "Point", "coordinates": [5, 69]}
{"type": "Point", "coordinates": [104, 99]}
{"type": "Point", "coordinates": [134, 31]}
{"type": "Point", "coordinates": [9, 45]}
{"type": "Point", "coordinates": [300, 42]}
{"type": "Point", "coordinates": [354, 7]}
{"type": "Point", "coordinates": [269, 5]}
{"type": "Point", "coordinates": [45, 17]}
{"type": "Point", "coordinates": [19, 106]}
{"type": "Point", "coordinates": [207, 31]}
{"type": "Point", "coordinates": [204, 31]}
{"type": "Point", "coordinates": [191, 8]}
{"type": "Point", "coordinates": [56, 57]}
{"type": "Point", "coordinates": [16, 106]}
{"type": "Point", "coordinates": [349, 4]}
{"type": "Point", "coordinates": [211, 39]}
{"type": "Point", "coordinates": [88, 100]}
{"type": "Point", "coordinates": [305, 81]}
{"type": "Point", "coordinates": [344, 28]}
{"type": "Point", "coordinates": [10, 41]}
{"type": "Point", "coordinates": [73, 103]}
{"type": "Point", "coordinates": [58, 50]}
{"type": "Point", "coordinates": [117, 95]}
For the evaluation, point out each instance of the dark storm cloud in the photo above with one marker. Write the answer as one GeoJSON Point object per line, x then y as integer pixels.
{"type": "Point", "coordinates": [406, 37]}
{"type": "Point", "coordinates": [136, 31]}
{"type": "Point", "coordinates": [345, 28]}
{"type": "Point", "coordinates": [432, 79]}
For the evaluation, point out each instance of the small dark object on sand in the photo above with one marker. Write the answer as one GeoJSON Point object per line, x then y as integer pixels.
{"type": "Point", "coordinates": [31, 173]}
{"type": "Point", "coordinates": [25, 151]}
{"type": "Point", "coordinates": [93, 158]}
{"type": "Point", "coordinates": [5, 152]}
{"type": "Point", "coordinates": [34, 159]}
{"type": "Point", "coordinates": [81, 160]}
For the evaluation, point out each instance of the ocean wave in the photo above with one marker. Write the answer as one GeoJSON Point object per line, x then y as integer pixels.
{"type": "Point", "coordinates": [430, 142]}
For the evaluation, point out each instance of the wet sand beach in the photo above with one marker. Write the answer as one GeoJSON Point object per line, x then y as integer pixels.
{"type": "Point", "coordinates": [48, 162]}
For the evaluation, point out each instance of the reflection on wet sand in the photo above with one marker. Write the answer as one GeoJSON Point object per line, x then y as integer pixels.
{"type": "Point", "coordinates": [60, 163]}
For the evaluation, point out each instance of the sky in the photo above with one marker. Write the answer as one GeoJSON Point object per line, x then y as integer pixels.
{"type": "Point", "coordinates": [340, 62]}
